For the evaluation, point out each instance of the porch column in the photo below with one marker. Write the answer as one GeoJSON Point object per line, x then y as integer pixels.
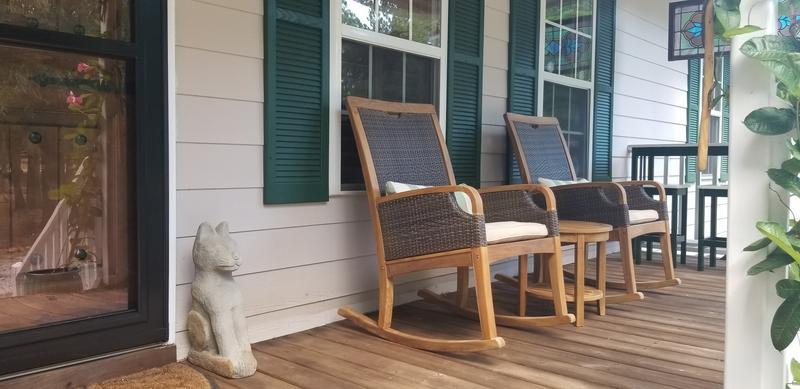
{"type": "Point", "coordinates": [750, 359]}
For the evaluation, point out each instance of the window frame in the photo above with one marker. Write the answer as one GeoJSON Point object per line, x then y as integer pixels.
{"type": "Point", "coordinates": [572, 82]}
{"type": "Point", "coordinates": [340, 31]}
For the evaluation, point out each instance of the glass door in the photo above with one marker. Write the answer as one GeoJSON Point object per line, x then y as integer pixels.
{"type": "Point", "coordinates": [82, 145]}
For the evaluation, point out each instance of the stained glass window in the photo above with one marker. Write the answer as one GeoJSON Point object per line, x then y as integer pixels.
{"type": "Point", "coordinates": [789, 18]}
{"type": "Point", "coordinates": [686, 31]}
{"type": "Point", "coordinates": [568, 38]}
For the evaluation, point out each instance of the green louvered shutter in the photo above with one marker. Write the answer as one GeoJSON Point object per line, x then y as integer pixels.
{"type": "Point", "coordinates": [523, 57]}
{"type": "Point", "coordinates": [465, 89]}
{"type": "Point", "coordinates": [296, 83]}
{"type": "Point", "coordinates": [726, 114]}
{"type": "Point", "coordinates": [692, 114]}
{"type": "Point", "coordinates": [604, 90]}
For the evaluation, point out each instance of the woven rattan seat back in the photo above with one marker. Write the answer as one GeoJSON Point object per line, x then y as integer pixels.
{"type": "Point", "coordinates": [538, 141]}
{"type": "Point", "coordinates": [403, 142]}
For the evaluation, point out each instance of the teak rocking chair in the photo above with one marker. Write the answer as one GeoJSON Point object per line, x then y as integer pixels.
{"type": "Point", "coordinates": [542, 153]}
{"type": "Point", "coordinates": [426, 228]}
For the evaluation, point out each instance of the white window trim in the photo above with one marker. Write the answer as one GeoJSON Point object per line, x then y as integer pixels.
{"type": "Point", "coordinates": [545, 76]}
{"type": "Point", "coordinates": [339, 31]}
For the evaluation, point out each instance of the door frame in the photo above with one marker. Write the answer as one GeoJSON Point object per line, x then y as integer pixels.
{"type": "Point", "coordinates": [147, 323]}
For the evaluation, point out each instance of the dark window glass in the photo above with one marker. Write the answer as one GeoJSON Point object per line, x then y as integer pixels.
{"type": "Point", "coordinates": [95, 18]}
{"type": "Point", "coordinates": [421, 76]}
{"type": "Point", "coordinates": [571, 107]}
{"type": "Point", "coordinates": [387, 74]}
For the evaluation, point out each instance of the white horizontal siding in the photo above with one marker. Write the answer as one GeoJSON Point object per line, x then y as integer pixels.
{"type": "Point", "coordinates": [300, 262]}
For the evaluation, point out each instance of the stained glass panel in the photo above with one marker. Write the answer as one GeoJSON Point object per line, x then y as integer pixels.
{"type": "Point", "coordinates": [789, 18]}
{"type": "Point", "coordinates": [569, 51]}
{"type": "Point", "coordinates": [686, 31]}
{"type": "Point", "coordinates": [585, 16]}
{"type": "Point", "coordinates": [553, 11]}
{"type": "Point", "coordinates": [583, 69]}
{"type": "Point", "coordinates": [569, 10]}
{"type": "Point", "coordinates": [552, 48]}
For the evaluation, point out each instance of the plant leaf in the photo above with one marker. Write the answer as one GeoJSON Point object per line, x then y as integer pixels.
{"type": "Point", "coordinates": [794, 367]}
{"type": "Point", "coordinates": [791, 165]}
{"type": "Point", "coordinates": [775, 260]}
{"type": "Point", "coordinates": [788, 288]}
{"type": "Point", "coordinates": [757, 245]}
{"type": "Point", "coordinates": [786, 180]}
{"type": "Point", "coordinates": [793, 149]}
{"type": "Point", "coordinates": [730, 33]}
{"type": "Point", "coordinates": [785, 323]}
{"type": "Point", "coordinates": [769, 47]}
{"type": "Point", "coordinates": [727, 13]}
{"type": "Point", "coordinates": [777, 235]}
{"type": "Point", "coordinates": [771, 120]}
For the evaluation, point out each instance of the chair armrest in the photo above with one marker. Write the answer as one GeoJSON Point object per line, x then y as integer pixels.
{"type": "Point", "coordinates": [527, 203]}
{"type": "Point", "coordinates": [638, 198]}
{"type": "Point", "coordinates": [427, 221]}
{"type": "Point", "coordinates": [600, 202]}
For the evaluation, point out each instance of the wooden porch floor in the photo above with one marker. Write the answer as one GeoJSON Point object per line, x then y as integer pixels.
{"type": "Point", "coordinates": [672, 339]}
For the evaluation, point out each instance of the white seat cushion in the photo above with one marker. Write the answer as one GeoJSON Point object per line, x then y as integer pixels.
{"type": "Point", "coordinates": [551, 183]}
{"type": "Point", "coordinates": [502, 232]}
{"type": "Point", "coordinates": [462, 199]}
{"type": "Point", "coordinates": [639, 216]}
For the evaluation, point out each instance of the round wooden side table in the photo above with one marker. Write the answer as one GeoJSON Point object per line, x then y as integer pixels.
{"type": "Point", "coordinates": [580, 234]}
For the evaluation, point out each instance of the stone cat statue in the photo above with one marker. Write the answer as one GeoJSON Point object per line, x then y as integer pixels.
{"type": "Point", "coordinates": [216, 322]}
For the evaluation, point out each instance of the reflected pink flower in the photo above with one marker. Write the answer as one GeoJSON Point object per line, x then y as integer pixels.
{"type": "Point", "coordinates": [83, 67]}
{"type": "Point", "coordinates": [74, 100]}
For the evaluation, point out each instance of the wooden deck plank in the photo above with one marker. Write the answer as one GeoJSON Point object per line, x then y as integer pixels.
{"type": "Point", "coordinates": [672, 339]}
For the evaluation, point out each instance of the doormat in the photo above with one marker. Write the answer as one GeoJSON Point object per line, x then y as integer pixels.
{"type": "Point", "coordinates": [173, 376]}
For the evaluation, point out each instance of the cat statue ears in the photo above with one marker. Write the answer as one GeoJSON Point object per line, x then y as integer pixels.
{"type": "Point", "coordinates": [206, 230]}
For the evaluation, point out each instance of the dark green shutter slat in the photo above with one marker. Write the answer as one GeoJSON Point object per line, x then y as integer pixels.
{"type": "Point", "coordinates": [465, 89]}
{"type": "Point", "coordinates": [296, 83]}
{"type": "Point", "coordinates": [692, 114]}
{"type": "Point", "coordinates": [726, 114]}
{"type": "Point", "coordinates": [522, 73]}
{"type": "Point", "coordinates": [604, 90]}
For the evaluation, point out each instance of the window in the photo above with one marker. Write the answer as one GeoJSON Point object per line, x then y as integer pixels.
{"type": "Point", "coordinates": [390, 50]}
{"type": "Point", "coordinates": [567, 58]}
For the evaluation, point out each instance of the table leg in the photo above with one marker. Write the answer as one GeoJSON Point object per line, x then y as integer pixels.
{"type": "Point", "coordinates": [580, 265]}
{"type": "Point", "coordinates": [523, 284]}
{"type": "Point", "coordinates": [601, 277]}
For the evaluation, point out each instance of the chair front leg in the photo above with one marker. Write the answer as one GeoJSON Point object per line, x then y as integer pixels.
{"type": "Point", "coordinates": [523, 285]}
{"type": "Point", "coordinates": [483, 292]}
{"type": "Point", "coordinates": [386, 296]}
{"type": "Point", "coordinates": [626, 253]}
{"type": "Point", "coordinates": [556, 274]}
{"type": "Point", "coordinates": [667, 258]}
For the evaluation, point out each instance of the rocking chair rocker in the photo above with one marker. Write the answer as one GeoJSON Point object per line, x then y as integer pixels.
{"type": "Point", "coordinates": [542, 153]}
{"type": "Point", "coordinates": [426, 228]}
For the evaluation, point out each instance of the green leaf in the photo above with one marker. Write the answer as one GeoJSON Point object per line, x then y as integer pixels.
{"type": "Point", "coordinates": [777, 235]}
{"type": "Point", "coordinates": [791, 165]}
{"type": "Point", "coordinates": [788, 288]}
{"type": "Point", "coordinates": [786, 180]}
{"type": "Point", "coordinates": [771, 120]}
{"type": "Point", "coordinates": [769, 47]}
{"type": "Point", "coordinates": [732, 32]}
{"type": "Point", "coordinates": [757, 245]}
{"type": "Point", "coordinates": [794, 149]}
{"type": "Point", "coordinates": [775, 260]}
{"type": "Point", "coordinates": [785, 323]}
{"type": "Point", "coordinates": [794, 367]}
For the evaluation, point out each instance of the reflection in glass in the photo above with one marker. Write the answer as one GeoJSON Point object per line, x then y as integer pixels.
{"type": "Point", "coordinates": [584, 58]}
{"type": "Point", "coordinates": [66, 227]}
{"type": "Point", "coordinates": [421, 74]}
{"type": "Point", "coordinates": [552, 48]}
{"type": "Point", "coordinates": [359, 13]}
{"type": "Point", "coordinates": [571, 107]}
{"type": "Point", "coordinates": [95, 18]}
{"type": "Point", "coordinates": [569, 13]}
{"type": "Point", "coordinates": [427, 22]}
{"type": "Point", "coordinates": [387, 74]}
{"type": "Point", "coordinates": [393, 17]}
{"type": "Point", "coordinates": [553, 11]}
{"type": "Point", "coordinates": [355, 69]}
{"type": "Point", "coordinates": [585, 16]}
{"type": "Point", "coordinates": [569, 52]}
